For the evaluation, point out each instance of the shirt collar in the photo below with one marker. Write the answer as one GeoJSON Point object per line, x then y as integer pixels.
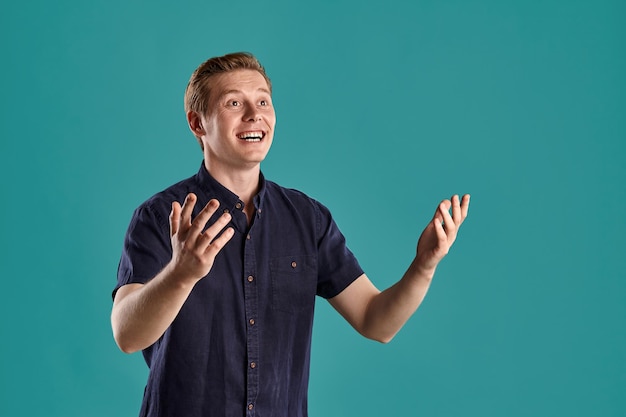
{"type": "Point", "coordinates": [260, 197]}
{"type": "Point", "coordinates": [227, 198]}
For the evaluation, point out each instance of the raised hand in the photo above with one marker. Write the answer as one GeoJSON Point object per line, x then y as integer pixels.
{"type": "Point", "coordinates": [194, 251]}
{"type": "Point", "coordinates": [441, 232]}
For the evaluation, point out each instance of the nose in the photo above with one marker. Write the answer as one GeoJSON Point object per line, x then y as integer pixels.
{"type": "Point", "coordinates": [252, 114]}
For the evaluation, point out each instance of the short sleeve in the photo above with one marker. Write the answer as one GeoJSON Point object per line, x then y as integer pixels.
{"type": "Point", "coordinates": [147, 247]}
{"type": "Point", "coordinates": [337, 265]}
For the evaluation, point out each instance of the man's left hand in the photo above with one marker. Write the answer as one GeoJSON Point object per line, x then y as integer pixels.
{"type": "Point", "coordinates": [441, 232]}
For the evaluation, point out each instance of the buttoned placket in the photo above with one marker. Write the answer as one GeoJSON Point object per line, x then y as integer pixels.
{"type": "Point", "coordinates": [252, 333]}
{"type": "Point", "coordinates": [250, 294]}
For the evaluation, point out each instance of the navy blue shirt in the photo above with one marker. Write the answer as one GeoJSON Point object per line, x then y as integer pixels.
{"type": "Point", "coordinates": [240, 345]}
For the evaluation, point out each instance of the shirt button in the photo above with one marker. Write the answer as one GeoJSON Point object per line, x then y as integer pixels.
{"type": "Point", "coordinates": [250, 278]}
{"type": "Point", "coordinates": [250, 406]}
{"type": "Point", "coordinates": [251, 321]}
{"type": "Point", "coordinates": [238, 206]}
{"type": "Point", "coordinates": [252, 365]}
{"type": "Point", "coordinates": [294, 264]}
{"type": "Point", "coordinates": [248, 237]}
{"type": "Point", "coordinates": [226, 211]}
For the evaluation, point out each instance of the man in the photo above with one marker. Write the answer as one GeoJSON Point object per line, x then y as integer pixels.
{"type": "Point", "coordinates": [219, 272]}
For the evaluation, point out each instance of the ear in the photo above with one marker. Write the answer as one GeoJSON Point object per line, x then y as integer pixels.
{"type": "Point", "coordinates": [194, 121]}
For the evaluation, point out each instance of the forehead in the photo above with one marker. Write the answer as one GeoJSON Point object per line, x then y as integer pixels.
{"type": "Point", "coordinates": [245, 81]}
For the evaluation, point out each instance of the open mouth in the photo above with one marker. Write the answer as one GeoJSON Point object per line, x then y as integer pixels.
{"type": "Point", "coordinates": [252, 136]}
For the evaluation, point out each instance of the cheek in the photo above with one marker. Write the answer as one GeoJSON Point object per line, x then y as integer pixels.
{"type": "Point", "coordinates": [271, 119]}
{"type": "Point", "coordinates": [222, 122]}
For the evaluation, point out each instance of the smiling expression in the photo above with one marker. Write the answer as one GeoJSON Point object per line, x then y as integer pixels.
{"type": "Point", "coordinates": [238, 129]}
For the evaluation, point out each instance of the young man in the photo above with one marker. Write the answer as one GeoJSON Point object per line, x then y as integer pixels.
{"type": "Point", "coordinates": [219, 272]}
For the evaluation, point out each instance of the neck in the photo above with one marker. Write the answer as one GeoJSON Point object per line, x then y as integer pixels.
{"type": "Point", "coordinates": [242, 182]}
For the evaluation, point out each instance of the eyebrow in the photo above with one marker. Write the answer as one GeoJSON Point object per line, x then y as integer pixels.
{"type": "Point", "coordinates": [225, 93]}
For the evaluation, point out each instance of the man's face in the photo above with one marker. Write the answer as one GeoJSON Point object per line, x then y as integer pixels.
{"type": "Point", "coordinates": [239, 127]}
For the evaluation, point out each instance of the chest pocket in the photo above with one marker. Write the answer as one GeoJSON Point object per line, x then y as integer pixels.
{"type": "Point", "coordinates": [294, 283]}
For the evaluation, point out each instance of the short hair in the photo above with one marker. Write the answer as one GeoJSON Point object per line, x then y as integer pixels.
{"type": "Point", "coordinates": [199, 88]}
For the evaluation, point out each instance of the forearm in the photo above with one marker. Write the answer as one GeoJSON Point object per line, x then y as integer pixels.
{"type": "Point", "coordinates": [141, 314]}
{"type": "Point", "coordinates": [388, 311]}
{"type": "Point", "coordinates": [380, 315]}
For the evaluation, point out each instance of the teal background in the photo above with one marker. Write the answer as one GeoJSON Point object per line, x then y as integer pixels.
{"type": "Point", "coordinates": [384, 109]}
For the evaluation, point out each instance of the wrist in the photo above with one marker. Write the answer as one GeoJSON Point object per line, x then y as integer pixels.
{"type": "Point", "coordinates": [180, 277]}
{"type": "Point", "coordinates": [421, 271]}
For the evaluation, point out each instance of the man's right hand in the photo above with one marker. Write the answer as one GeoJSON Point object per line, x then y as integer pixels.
{"type": "Point", "coordinates": [142, 312]}
{"type": "Point", "coordinates": [194, 251]}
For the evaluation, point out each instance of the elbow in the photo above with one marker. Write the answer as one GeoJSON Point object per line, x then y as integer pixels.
{"type": "Point", "coordinates": [124, 344]}
{"type": "Point", "coordinates": [126, 348]}
{"type": "Point", "coordinates": [381, 337]}
{"type": "Point", "coordinates": [384, 340]}
{"type": "Point", "coordinates": [122, 338]}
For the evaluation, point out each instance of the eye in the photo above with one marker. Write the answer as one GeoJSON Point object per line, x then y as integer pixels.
{"type": "Point", "coordinates": [263, 103]}
{"type": "Point", "coordinates": [235, 103]}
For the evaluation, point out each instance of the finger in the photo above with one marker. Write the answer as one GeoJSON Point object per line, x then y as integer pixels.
{"type": "Point", "coordinates": [209, 234]}
{"type": "Point", "coordinates": [465, 206]}
{"type": "Point", "coordinates": [442, 238]}
{"type": "Point", "coordinates": [220, 242]}
{"type": "Point", "coordinates": [188, 205]}
{"type": "Point", "coordinates": [175, 218]}
{"type": "Point", "coordinates": [448, 223]}
{"type": "Point", "coordinates": [444, 205]}
{"type": "Point", "coordinates": [199, 223]}
{"type": "Point", "coordinates": [456, 209]}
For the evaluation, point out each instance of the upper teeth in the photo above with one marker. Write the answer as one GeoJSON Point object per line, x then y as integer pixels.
{"type": "Point", "coordinates": [250, 135]}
